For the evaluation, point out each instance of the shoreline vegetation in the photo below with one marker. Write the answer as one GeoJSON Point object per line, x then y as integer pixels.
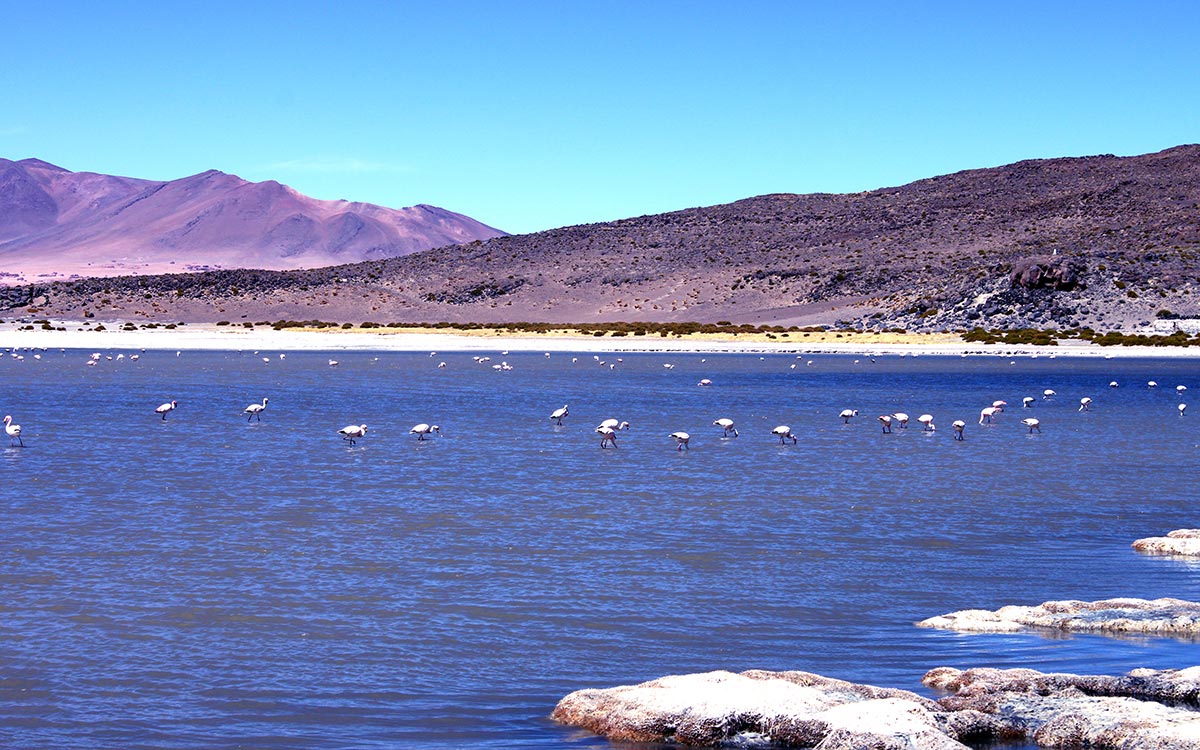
{"type": "Point", "coordinates": [631, 332]}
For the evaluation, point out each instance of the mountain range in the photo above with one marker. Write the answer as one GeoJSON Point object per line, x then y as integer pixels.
{"type": "Point", "coordinates": [55, 223]}
{"type": "Point", "coordinates": [1099, 241]}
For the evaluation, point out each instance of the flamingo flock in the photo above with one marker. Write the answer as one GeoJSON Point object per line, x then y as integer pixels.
{"type": "Point", "coordinates": [609, 429]}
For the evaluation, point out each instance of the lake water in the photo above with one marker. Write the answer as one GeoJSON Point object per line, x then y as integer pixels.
{"type": "Point", "coordinates": [208, 583]}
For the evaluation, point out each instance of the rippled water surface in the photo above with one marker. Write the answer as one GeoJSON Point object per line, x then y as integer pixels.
{"type": "Point", "coordinates": [208, 583]}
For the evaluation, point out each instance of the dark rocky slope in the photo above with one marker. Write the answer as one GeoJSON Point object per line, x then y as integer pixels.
{"type": "Point", "coordinates": [1098, 241]}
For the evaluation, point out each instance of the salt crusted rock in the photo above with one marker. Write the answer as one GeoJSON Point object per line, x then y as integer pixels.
{"type": "Point", "coordinates": [1072, 711]}
{"type": "Point", "coordinates": [796, 709]}
{"type": "Point", "coordinates": [1178, 542]}
{"type": "Point", "coordinates": [1110, 616]}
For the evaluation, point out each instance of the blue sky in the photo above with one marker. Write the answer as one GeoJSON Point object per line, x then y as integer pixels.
{"type": "Point", "coordinates": [534, 115]}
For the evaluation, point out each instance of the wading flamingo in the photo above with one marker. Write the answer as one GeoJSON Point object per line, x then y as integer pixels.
{"type": "Point", "coordinates": [255, 410]}
{"type": "Point", "coordinates": [13, 431]}
{"type": "Point", "coordinates": [681, 440]}
{"type": "Point", "coordinates": [1032, 424]}
{"type": "Point", "coordinates": [783, 432]}
{"type": "Point", "coordinates": [607, 435]}
{"type": "Point", "coordinates": [353, 432]}
{"type": "Point", "coordinates": [421, 430]}
{"type": "Point", "coordinates": [848, 414]}
{"type": "Point", "coordinates": [1085, 404]}
{"type": "Point", "coordinates": [958, 426]}
{"type": "Point", "coordinates": [165, 408]}
{"type": "Point", "coordinates": [927, 421]}
{"type": "Point", "coordinates": [726, 425]}
{"type": "Point", "coordinates": [886, 421]}
{"type": "Point", "coordinates": [557, 415]}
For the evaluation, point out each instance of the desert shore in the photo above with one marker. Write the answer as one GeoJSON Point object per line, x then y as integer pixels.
{"type": "Point", "coordinates": [211, 337]}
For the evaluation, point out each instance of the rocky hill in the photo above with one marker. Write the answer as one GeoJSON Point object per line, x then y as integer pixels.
{"type": "Point", "coordinates": [60, 224]}
{"type": "Point", "coordinates": [1100, 241]}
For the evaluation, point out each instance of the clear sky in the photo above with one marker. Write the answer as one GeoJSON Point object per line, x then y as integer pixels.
{"type": "Point", "coordinates": [534, 115]}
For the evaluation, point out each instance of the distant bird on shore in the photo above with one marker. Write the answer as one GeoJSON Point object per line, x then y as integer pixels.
{"type": "Point", "coordinates": [886, 421]}
{"type": "Point", "coordinates": [165, 408]}
{"type": "Point", "coordinates": [901, 419]}
{"type": "Point", "coordinates": [1032, 424]}
{"type": "Point", "coordinates": [958, 426]}
{"type": "Point", "coordinates": [13, 431]}
{"type": "Point", "coordinates": [1085, 404]}
{"type": "Point", "coordinates": [783, 432]}
{"type": "Point", "coordinates": [927, 421]}
{"type": "Point", "coordinates": [607, 435]}
{"type": "Point", "coordinates": [987, 415]}
{"type": "Point", "coordinates": [421, 430]}
{"type": "Point", "coordinates": [255, 410]}
{"type": "Point", "coordinates": [726, 425]}
{"type": "Point", "coordinates": [847, 415]}
{"type": "Point", "coordinates": [557, 415]}
{"type": "Point", "coordinates": [681, 440]}
{"type": "Point", "coordinates": [353, 432]}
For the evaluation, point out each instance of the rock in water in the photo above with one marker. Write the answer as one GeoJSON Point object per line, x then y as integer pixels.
{"type": "Point", "coordinates": [1178, 542]}
{"type": "Point", "coordinates": [757, 707]}
{"type": "Point", "coordinates": [1164, 617]}
{"type": "Point", "coordinates": [1074, 711]}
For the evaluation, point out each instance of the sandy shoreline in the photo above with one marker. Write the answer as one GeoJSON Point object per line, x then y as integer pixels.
{"type": "Point", "coordinates": [210, 337]}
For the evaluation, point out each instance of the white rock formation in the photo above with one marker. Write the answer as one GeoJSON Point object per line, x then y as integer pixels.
{"type": "Point", "coordinates": [756, 707]}
{"type": "Point", "coordinates": [1178, 542]}
{"type": "Point", "coordinates": [1168, 617]}
{"type": "Point", "coordinates": [1073, 711]}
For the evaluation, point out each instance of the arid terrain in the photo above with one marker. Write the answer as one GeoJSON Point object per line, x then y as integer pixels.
{"type": "Point", "coordinates": [58, 224]}
{"type": "Point", "coordinates": [1102, 241]}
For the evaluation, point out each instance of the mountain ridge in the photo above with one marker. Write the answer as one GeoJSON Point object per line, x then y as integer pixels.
{"type": "Point", "coordinates": [55, 223]}
{"type": "Point", "coordinates": [1101, 241]}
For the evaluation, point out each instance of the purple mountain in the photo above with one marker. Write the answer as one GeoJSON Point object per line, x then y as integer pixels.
{"type": "Point", "coordinates": [55, 223]}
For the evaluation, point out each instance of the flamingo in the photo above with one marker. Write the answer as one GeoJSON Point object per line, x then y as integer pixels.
{"type": "Point", "coordinates": [333, 363]}
{"type": "Point", "coordinates": [1180, 388]}
{"type": "Point", "coordinates": [557, 415]}
{"type": "Point", "coordinates": [886, 421]}
{"type": "Point", "coordinates": [704, 382]}
{"type": "Point", "coordinates": [255, 410]}
{"type": "Point", "coordinates": [1032, 424]}
{"type": "Point", "coordinates": [902, 418]}
{"type": "Point", "coordinates": [1113, 384]}
{"type": "Point", "coordinates": [14, 432]}
{"type": "Point", "coordinates": [1048, 394]}
{"type": "Point", "coordinates": [999, 405]}
{"type": "Point", "coordinates": [1085, 404]}
{"type": "Point", "coordinates": [350, 432]}
{"type": "Point", "coordinates": [614, 424]}
{"type": "Point", "coordinates": [607, 435]}
{"type": "Point", "coordinates": [1027, 402]}
{"type": "Point", "coordinates": [681, 440]}
{"type": "Point", "coordinates": [726, 424]}
{"type": "Point", "coordinates": [1182, 409]}
{"type": "Point", "coordinates": [1151, 384]}
{"type": "Point", "coordinates": [421, 430]}
{"type": "Point", "coordinates": [958, 426]}
{"type": "Point", "coordinates": [167, 407]}
{"type": "Point", "coordinates": [987, 415]}
{"type": "Point", "coordinates": [927, 420]}
{"type": "Point", "coordinates": [848, 414]}
{"type": "Point", "coordinates": [783, 432]}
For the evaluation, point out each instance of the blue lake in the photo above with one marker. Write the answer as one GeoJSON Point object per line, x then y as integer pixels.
{"type": "Point", "coordinates": [204, 582]}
